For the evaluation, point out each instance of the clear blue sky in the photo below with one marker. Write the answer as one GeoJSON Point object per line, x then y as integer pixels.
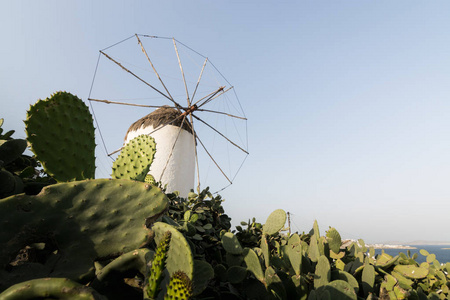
{"type": "Point", "coordinates": [348, 101]}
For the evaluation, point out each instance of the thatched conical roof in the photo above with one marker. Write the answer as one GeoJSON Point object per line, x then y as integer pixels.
{"type": "Point", "coordinates": [161, 116]}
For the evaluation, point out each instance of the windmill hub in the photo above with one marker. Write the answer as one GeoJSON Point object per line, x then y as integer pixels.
{"type": "Point", "coordinates": [189, 110]}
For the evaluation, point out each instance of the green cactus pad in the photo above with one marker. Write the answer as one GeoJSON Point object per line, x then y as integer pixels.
{"type": "Point", "coordinates": [389, 282]}
{"type": "Point", "coordinates": [275, 222]}
{"type": "Point", "coordinates": [253, 265]}
{"type": "Point", "coordinates": [265, 250]}
{"type": "Point", "coordinates": [233, 260]}
{"type": "Point", "coordinates": [313, 295]}
{"type": "Point", "coordinates": [231, 244]}
{"type": "Point", "coordinates": [323, 272]}
{"type": "Point", "coordinates": [315, 230]}
{"type": "Point", "coordinates": [274, 284]}
{"type": "Point", "coordinates": [313, 250]}
{"type": "Point", "coordinates": [180, 287]}
{"type": "Point", "coordinates": [110, 278]}
{"type": "Point", "coordinates": [135, 159]}
{"type": "Point", "coordinates": [424, 252]}
{"type": "Point", "coordinates": [301, 286]}
{"type": "Point", "coordinates": [220, 272]}
{"type": "Point", "coordinates": [158, 264]}
{"type": "Point", "coordinates": [334, 240]}
{"type": "Point", "coordinates": [179, 255]}
{"type": "Point", "coordinates": [342, 275]}
{"type": "Point", "coordinates": [134, 261]}
{"type": "Point", "coordinates": [46, 288]}
{"type": "Point", "coordinates": [368, 279]}
{"type": "Point", "coordinates": [203, 273]}
{"type": "Point", "coordinates": [61, 133]}
{"type": "Point", "coordinates": [87, 219]}
{"type": "Point", "coordinates": [294, 252]}
{"type": "Point", "coordinates": [338, 290]}
{"type": "Point", "coordinates": [402, 280]}
{"type": "Point", "coordinates": [236, 274]}
{"type": "Point", "coordinates": [384, 260]}
{"type": "Point", "coordinates": [324, 247]}
{"type": "Point", "coordinates": [410, 271]}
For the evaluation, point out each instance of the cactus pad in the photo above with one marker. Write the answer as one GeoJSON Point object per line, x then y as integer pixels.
{"type": "Point", "coordinates": [275, 222]}
{"type": "Point", "coordinates": [313, 250]}
{"type": "Point", "coordinates": [203, 273]}
{"type": "Point", "coordinates": [180, 287]}
{"type": "Point", "coordinates": [157, 266]}
{"type": "Point", "coordinates": [54, 288]}
{"type": "Point", "coordinates": [323, 272]}
{"type": "Point", "coordinates": [294, 252]}
{"type": "Point", "coordinates": [134, 261]}
{"type": "Point", "coordinates": [410, 271]}
{"type": "Point", "coordinates": [334, 240]}
{"type": "Point", "coordinates": [253, 265]}
{"type": "Point", "coordinates": [135, 159]}
{"type": "Point", "coordinates": [368, 279]}
{"type": "Point", "coordinates": [87, 219]}
{"type": "Point", "coordinates": [61, 133]}
{"type": "Point", "coordinates": [338, 290]}
{"type": "Point", "coordinates": [231, 244]}
{"type": "Point", "coordinates": [236, 274]}
{"type": "Point", "coordinates": [179, 256]}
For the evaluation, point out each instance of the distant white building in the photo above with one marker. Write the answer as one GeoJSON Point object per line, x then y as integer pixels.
{"type": "Point", "coordinates": [174, 162]}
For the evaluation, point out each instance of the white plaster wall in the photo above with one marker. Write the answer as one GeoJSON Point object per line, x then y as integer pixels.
{"type": "Point", "coordinates": [179, 174]}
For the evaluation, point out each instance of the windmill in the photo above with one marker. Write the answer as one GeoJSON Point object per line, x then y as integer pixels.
{"type": "Point", "coordinates": [198, 122]}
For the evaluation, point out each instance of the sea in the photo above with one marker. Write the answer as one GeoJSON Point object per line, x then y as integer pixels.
{"type": "Point", "coordinates": [442, 252]}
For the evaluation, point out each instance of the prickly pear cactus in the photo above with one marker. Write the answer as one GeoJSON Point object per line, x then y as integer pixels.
{"type": "Point", "coordinates": [135, 159]}
{"type": "Point", "coordinates": [179, 256]}
{"type": "Point", "coordinates": [158, 265]}
{"type": "Point", "coordinates": [203, 273]}
{"type": "Point", "coordinates": [87, 220]}
{"type": "Point", "coordinates": [111, 279]}
{"type": "Point", "coordinates": [135, 260]}
{"type": "Point", "coordinates": [253, 264]}
{"type": "Point", "coordinates": [334, 240]}
{"type": "Point", "coordinates": [231, 244]}
{"type": "Point", "coordinates": [50, 288]}
{"type": "Point", "coordinates": [275, 222]}
{"type": "Point", "coordinates": [61, 133]}
{"type": "Point", "coordinates": [180, 287]}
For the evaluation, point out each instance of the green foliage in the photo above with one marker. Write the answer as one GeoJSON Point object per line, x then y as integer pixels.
{"type": "Point", "coordinates": [81, 220]}
{"type": "Point", "coordinates": [158, 266]}
{"type": "Point", "coordinates": [179, 254]}
{"type": "Point", "coordinates": [125, 239]}
{"type": "Point", "coordinates": [19, 172]}
{"type": "Point", "coordinates": [135, 159]}
{"type": "Point", "coordinates": [61, 132]}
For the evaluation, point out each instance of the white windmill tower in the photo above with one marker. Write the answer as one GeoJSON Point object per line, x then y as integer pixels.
{"type": "Point", "coordinates": [220, 132]}
{"type": "Point", "coordinates": [174, 162]}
